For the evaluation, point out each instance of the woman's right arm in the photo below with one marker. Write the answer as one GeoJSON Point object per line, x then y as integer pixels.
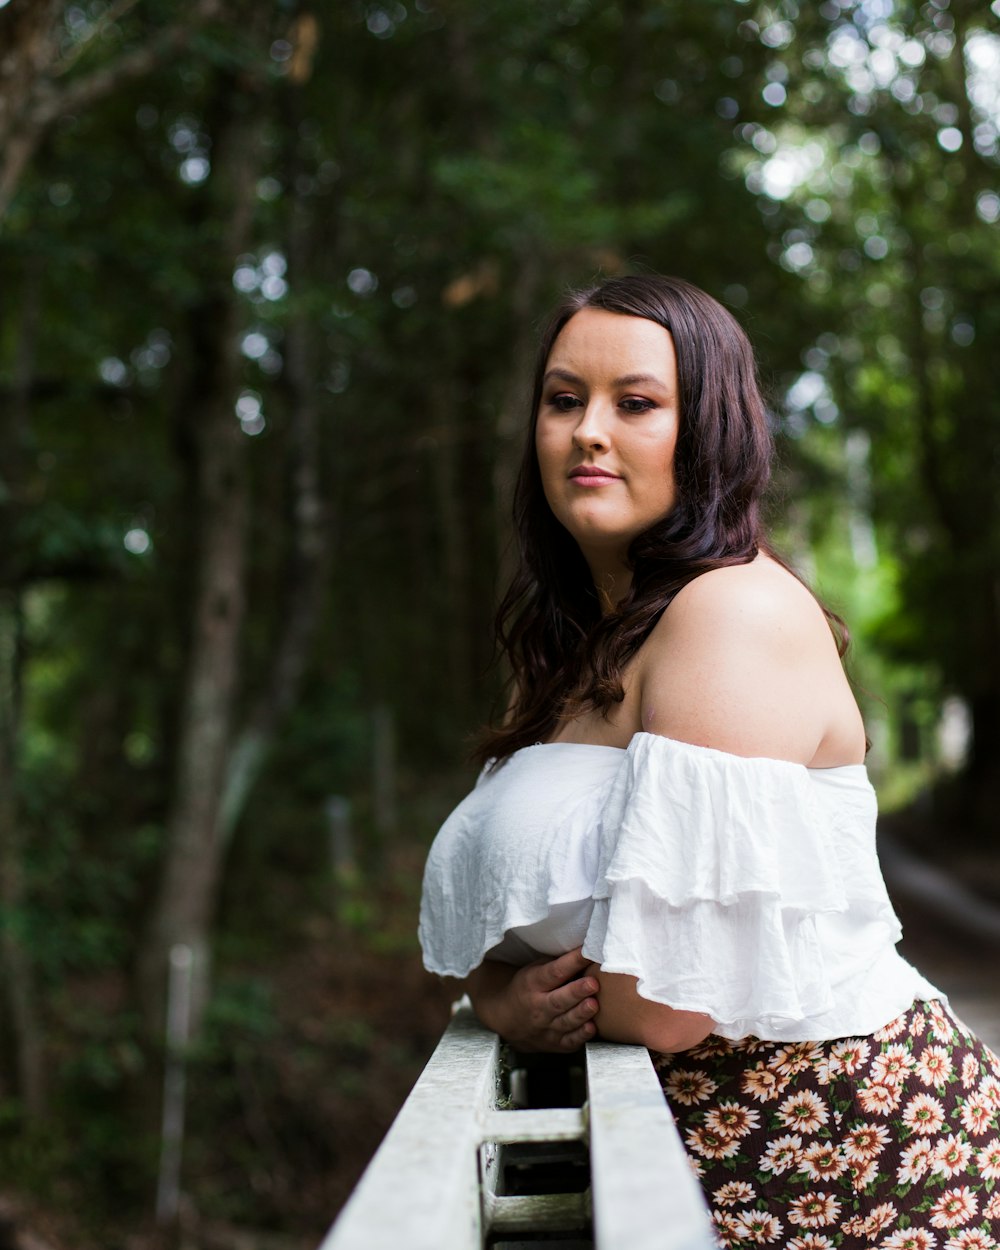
{"type": "Point", "coordinates": [544, 1006]}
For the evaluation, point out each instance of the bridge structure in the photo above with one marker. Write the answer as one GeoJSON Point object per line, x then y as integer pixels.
{"type": "Point", "coordinates": [506, 1151]}
{"type": "Point", "coordinates": [499, 1151]}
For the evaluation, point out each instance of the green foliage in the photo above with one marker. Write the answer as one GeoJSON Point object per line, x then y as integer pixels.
{"type": "Point", "coordinates": [428, 186]}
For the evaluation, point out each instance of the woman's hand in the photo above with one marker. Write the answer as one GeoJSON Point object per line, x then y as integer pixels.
{"type": "Point", "coordinates": [544, 1006]}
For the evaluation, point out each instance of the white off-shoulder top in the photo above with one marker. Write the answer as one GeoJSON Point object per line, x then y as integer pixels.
{"type": "Point", "coordinates": [746, 889]}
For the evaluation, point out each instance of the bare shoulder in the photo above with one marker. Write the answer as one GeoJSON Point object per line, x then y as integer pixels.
{"type": "Point", "coordinates": [744, 660]}
{"type": "Point", "coordinates": [761, 599]}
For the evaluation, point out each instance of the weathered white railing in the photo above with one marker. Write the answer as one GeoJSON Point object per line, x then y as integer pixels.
{"type": "Point", "coordinates": [610, 1173]}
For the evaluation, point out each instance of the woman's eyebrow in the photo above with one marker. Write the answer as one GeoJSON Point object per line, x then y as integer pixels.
{"type": "Point", "coordinates": [563, 375]}
{"type": "Point", "coordinates": [629, 379]}
{"type": "Point", "coordinates": [639, 379]}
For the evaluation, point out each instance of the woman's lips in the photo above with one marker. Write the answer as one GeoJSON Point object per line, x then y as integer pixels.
{"type": "Point", "coordinates": [590, 475]}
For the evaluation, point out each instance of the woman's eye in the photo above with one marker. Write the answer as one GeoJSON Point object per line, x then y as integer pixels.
{"type": "Point", "coordinates": [563, 403]}
{"type": "Point", "coordinates": [635, 405]}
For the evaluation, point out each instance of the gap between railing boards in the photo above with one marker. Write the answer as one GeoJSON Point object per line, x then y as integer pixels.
{"type": "Point", "coordinates": [494, 1149]}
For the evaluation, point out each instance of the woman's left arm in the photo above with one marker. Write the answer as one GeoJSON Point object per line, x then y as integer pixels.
{"type": "Point", "coordinates": [554, 1005]}
{"type": "Point", "coordinates": [623, 1015]}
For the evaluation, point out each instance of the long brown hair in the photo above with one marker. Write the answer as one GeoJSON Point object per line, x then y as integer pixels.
{"type": "Point", "coordinates": [564, 655]}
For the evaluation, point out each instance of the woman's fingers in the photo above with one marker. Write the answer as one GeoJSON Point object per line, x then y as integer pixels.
{"type": "Point", "coordinates": [560, 979]}
{"type": "Point", "coordinates": [556, 972]}
{"type": "Point", "coordinates": [567, 997]}
{"type": "Point", "coordinates": [572, 1001]}
{"type": "Point", "coordinates": [570, 998]}
{"type": "Point", "coordinates": [577, 1037]}
{"type": "Point", "coordinates": [578, 1015]}
{"type": "Point", "coordinates": [567, 1032]}
{"type": "Point", "coordinates": [558, 1004]}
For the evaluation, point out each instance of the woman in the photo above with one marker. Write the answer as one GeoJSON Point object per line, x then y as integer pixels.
{"type": "Point", "coordinates": [672, 842]}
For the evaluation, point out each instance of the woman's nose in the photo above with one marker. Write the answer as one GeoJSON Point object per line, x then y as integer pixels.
{"type": "Point", "coordinates": [592, 429]}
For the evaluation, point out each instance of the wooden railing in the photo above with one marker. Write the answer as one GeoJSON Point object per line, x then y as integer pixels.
{"type": "Point", "coordinates": [490, 1150]}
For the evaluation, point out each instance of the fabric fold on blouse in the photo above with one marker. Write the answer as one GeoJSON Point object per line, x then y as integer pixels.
{"type": "Point", "coordinates": [746, 889]}
{"type": "Point", "coordinates": [516, 849]}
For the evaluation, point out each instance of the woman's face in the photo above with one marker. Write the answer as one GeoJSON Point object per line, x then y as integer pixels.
{"type": "Point", "coordinates": [607, 429]}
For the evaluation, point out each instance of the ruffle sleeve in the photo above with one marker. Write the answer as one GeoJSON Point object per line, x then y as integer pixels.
{"type": "Point", "coordinates": [714, 873]}
{"type": "Point", "coordinates": [518, 852]}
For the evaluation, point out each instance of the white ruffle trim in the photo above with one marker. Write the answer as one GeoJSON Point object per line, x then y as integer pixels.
{"type": "Point", "coordinates": [746, 889]}
{"type": "Point", "coordinates": [714, 870]}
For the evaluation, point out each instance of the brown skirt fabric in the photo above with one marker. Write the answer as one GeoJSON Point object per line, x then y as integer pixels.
{"type": "Point", "coordinates": [890, 1141]}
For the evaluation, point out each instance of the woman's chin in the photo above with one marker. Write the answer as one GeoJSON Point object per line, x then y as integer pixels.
{"type": "Point", "coordinates": [596, 534]}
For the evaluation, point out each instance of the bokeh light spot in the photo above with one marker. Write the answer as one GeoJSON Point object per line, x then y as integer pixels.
{"type": "Point", "coordinates": [245, 278]}
{"type": "Point", "coordinates": [362, 282]}
{"type": "Point", "coordinates": [254, 345]}
{"type": "Point", "coordinates": [194, 170]}
{"type": "Point", "coordinates": [137, 541]}
{"type": "Point", "coordinates": [113, 370]}
{"type": "Point", "coordinates": [988, 206]}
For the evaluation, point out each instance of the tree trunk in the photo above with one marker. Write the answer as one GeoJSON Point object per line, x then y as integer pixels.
{"type": "Point", "coordinates": [961, 489]}
{"type": "Point", "coordinates": [183, 910]}
{"type": "Point", "coordinates": [18, 974]}
{"type": "Point", "coordinates": [512, 418]}
{"type": "Point", "coordinates": [449, 431]}
{"type": "Point", "coordinates": [307, 560]}
{"type": "Point", "coordinates": [29, 48]}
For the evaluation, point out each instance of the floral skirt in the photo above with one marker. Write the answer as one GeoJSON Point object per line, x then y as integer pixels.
{"type": "Point", "coordinates": [890, 1141]}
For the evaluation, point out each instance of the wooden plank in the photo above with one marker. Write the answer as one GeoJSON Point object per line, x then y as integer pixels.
{"type": "Point", "coordinates": [645, 1196]}
{"type": "Point", "coordinates": [538, 1213]}
{"type": "Point", "coordinates": [421, 1190]}
{"type": "Point", "coordinates": [545, 1124]}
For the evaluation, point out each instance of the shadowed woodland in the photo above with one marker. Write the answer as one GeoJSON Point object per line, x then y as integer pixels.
{"type": "Point", "coordinates": [270, 279]}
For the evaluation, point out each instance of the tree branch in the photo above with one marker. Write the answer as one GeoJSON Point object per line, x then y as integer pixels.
{"type": "Point", "coordinates": [102, 82]}
{"type": "Point", "coordinates": [37, 103]}
{"type": "Point", "coordinates": [106, 19]}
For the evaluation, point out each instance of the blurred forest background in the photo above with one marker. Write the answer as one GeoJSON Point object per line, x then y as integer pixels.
{"type": "Point", "coordinates": [271, 276]}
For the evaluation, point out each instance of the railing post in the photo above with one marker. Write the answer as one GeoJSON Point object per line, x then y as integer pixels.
{"type": "Point", "coordinates": [645, 1194]}
{"type": "Point", "coordinates": [421, 1190]}
{"type": "Point", "coordinates": [442, 1178]}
